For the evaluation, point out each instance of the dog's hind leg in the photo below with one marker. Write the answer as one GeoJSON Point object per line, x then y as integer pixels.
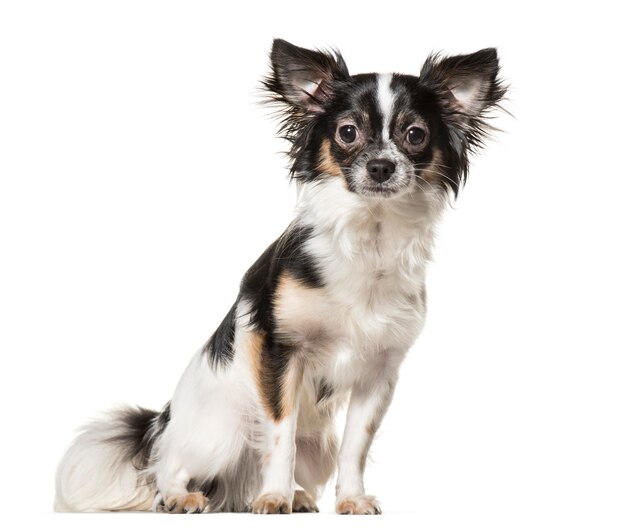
{"type": "Point", "coordinates": [204, 438]}
{"type": "Point", "coordinates": [174, 496]}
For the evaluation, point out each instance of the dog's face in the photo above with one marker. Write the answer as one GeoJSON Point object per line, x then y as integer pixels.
{"type": "Point", "coordinates": [381, 133]}
{"type": "Point", "coordinates": [384, 134]}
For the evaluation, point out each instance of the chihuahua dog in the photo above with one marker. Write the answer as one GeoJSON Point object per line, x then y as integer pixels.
{"type": "Point", "coordinates": [326, 314]}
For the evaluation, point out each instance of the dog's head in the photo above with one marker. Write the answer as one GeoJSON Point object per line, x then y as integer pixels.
{"type": "Point", "coordinates": [384, 134]}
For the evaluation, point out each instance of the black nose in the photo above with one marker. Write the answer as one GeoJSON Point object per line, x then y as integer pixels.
{"type": "Point", "coordinates": [380, 169]}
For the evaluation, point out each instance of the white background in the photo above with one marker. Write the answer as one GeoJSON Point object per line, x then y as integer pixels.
{"type": "Point", "coordinates": [139, 180]}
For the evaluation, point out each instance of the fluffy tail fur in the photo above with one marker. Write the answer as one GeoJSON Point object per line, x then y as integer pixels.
{"type": "Point", "coordinates": [104, 469]}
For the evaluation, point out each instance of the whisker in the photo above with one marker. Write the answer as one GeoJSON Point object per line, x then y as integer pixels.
{"type": "Point", "coordinates": [426, 164]}
{"type": "Point", "coordinates": [443, 175]}
{"type": "Point", "coordinates": [421, 188]}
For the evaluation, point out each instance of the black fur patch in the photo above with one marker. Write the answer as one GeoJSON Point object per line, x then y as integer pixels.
{"type": "Point", "coordinates": [219, 348]}
{"type": "Point", "coordinates": [275, 357]}
{"type": "Point", "coordinates": [140, 428]}
{"type": "Point", "coordinates": [324, 391]}
{"type": "Point", "coordinates": [207, 487]}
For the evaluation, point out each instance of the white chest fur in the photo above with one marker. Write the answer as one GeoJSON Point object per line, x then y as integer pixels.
{"type": "Point", "coordinates": [373, 294]}
{"type": "Point", "coordinates": [372, 258]}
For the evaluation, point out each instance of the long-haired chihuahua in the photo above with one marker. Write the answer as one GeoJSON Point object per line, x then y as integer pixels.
{"type": "Point", "coordinates": [326, 314]}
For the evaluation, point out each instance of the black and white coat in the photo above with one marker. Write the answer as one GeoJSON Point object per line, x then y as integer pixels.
{"type": "Point", "coordinates": [326, 315]}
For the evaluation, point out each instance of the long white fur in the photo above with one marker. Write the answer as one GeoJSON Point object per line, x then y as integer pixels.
{"type": "Point", "coordinates": [372, 254]}
{"type": "Point", "coordinates": [93, 477]}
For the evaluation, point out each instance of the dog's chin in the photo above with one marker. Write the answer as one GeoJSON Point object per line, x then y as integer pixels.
{"type": "Point", "coordinates": [375, 190]}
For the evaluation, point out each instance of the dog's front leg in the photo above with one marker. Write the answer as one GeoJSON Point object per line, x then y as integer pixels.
{"type": "Point", "coordinates": [369, 401]}
{"type": "Point", "coordinates": [278, 462]}
{"type": "Point", "coordinates": [281, 398]}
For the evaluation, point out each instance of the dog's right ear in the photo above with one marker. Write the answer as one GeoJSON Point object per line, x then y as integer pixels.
{"type": "Point", "coordinates": [304, 79]}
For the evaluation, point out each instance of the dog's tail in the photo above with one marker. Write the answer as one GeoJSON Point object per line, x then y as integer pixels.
{"type": "Point", "coordinates": [105, 468]}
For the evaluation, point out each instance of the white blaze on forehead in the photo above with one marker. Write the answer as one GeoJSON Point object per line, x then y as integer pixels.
{"type": "Point", "coordinates": [385, 101]}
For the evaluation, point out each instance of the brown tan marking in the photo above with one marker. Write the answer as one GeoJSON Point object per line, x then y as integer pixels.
{"type": "Point", "coordinates": [255, 341]}
{"type": "Point", "coordinates": [291, 377]}
{"type": "Point", "coordinates": [434, 169]}
{"type": "Point", "coordinates": [291, 381]}
{"type": "Point", "coordinates": [299, 312]}
{"type": "Point", "coordinates": [327, 163]}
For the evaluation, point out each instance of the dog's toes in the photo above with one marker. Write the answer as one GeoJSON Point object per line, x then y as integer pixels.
{"type": "Point", "coordinates": [358, 505]}
{"type": "Point", "coordinates": [271, 504]}
{"type": "Point", "coordinates": [303, 502]}
{"type": "Point", "coordinates": [191, 503]}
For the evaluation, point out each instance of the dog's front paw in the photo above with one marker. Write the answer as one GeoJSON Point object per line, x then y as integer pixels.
{"type": "Point", "coordinates": [303, 502]}
{"type": "Point", "coordinates": [271, 504]}
{"type": "Point", "coordinates": [191, 503]}
{"type": "Point", "coordinates": [358, 505]}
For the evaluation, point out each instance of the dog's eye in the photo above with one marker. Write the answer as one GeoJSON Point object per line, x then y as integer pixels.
{"type": "Point", "coordinates": [415, 136]}
{"type": "Point", "coordinates": [347, 133]}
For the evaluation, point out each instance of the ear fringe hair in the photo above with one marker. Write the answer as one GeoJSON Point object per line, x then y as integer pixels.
{"type": "Point", "coordinates": [294, 124]}
{"type": "Point", "coordinates": [469, 132]}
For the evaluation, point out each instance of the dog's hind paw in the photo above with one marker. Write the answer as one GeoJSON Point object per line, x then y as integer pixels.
{"type": "Point", "coordinates": [191, 503]}
{"type": "Point", "coordinates": [303, 502]}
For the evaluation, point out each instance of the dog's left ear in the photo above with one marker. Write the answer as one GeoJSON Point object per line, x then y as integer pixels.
{"type": "Point", "coordinates": [304, 79]}
{"type": "Point", "coordinates": [467, 87]}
